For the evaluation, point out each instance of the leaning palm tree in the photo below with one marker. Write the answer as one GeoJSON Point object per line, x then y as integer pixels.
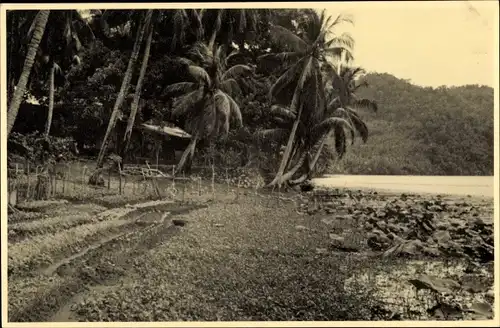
{"type": "Point", "coordinates": [309, 140]}
{"type": "Point", "coordinates": [38, 29]}
{"type": "Point", "coordinates": [341, 102]}
{"type": "Point", "coordinates": [304, 54]}
{"type": "Point", "coordinates": [207, 104]}
{"type": "Point", "coordinates": [135, 104]}
{"type": "Point", "coordinates": [121, 95]}
{"type": "Point", "coordinates": [176, 20]}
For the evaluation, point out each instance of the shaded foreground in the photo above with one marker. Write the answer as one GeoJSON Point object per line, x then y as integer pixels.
{"type": "Point", "coordinates": [222, 255]}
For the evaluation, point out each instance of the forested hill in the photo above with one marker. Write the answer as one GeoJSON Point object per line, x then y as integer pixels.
{"type": "Point", "coordinates": [424, 130]}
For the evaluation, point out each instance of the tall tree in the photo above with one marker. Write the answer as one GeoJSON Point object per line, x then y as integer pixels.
{"type": "Point", "coordinates": [38, 27]}
{"type": "Point", "coordinates": [207, 104]}
{"type": "Point", "coordinates": [138, 88]}
{"type": "Point", "coordinates": [304, 53]}
{"type": "Point", "coordinates": [121, 95]}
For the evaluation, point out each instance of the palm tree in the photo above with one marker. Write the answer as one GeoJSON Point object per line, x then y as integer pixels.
{"type": "Point", "coordinates": [304, 54]}
{"type": "Point", "coordinates": [309, 139]}
{"type": "Point", "coordinates": [207, 104]}
{"type": "Point", "coordinates": [55, 69]}
{"type": "Point", "coordinates": [342, 105]}
{"type": "Point", "coordinates": [135, 104]}
{"type": "Point", "coordinates": [38, 29]}
{"type": "Point", "coordinates": [121, 95]}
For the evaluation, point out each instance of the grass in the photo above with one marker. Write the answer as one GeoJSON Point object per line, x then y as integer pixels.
{"type": "Point", "coordinates": [247, 256]}
{"type": "Point", "coordinates": [214, 272]}
{"type": "Point", "coordinates": [28, 254]}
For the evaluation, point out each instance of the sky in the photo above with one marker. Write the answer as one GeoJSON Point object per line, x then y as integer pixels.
{"type": "Point", "coordinates": [430, 43]}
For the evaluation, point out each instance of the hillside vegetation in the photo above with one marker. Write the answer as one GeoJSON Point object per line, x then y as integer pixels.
{"type": "Point", "coordinates": [423, 130]}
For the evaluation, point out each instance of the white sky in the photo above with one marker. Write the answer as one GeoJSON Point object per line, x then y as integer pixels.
{"type": "Point", "coordinates": [432, 43]}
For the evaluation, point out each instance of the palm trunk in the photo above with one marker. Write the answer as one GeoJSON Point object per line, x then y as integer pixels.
{"type": "Point", "coordinates": [121, 94]}
{"type": "Point", "coordinates": [137, 96]}
{"type": "Point", "coordinates": [48, 123]}
{"type": "Point", "coordinates": [188, 152]}
{"type": "Point", "coordinates": [41, 21]}
{"type": "Point", "coordinates": [287, 176]}
{"type": "Point", "coordinates": [288, 150]}
{"type": "Point", "coordinates": [318, 153]}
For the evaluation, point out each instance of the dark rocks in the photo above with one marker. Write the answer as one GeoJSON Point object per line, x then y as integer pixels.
{"type": "Point", "coordinates": [179, 223]}
{"type": "Point", "coordinates": [441, 236]}
{"type": "Point", "coordinates": [377, 240]}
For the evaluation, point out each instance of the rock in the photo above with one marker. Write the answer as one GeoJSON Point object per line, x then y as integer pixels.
{"type": "Point", "coordinates": [474, 284]}
{"type": "Point", "coordinates": [411, 247]}
{"type": "Point", "coordinates": [441, 236]}
{"type": "Point", "coordinates": [381, 225]}
{"type": "Point", "coordinates": [179, 223]}
{"type": "Point", "coordinates": [377, 240]}
{"type": "Point", "coordinates": [443, 225]}
{"type": "Point", "coordinates": [483, 309]}
{"type": "Point", "coordinates": [300, 227]}
{"type": "Point", "coordinates": [431, 251]}
{"type": "Point", "coordinates": [490, 295]}
{"type": "Point", "coordinates": [392, 227]}
{"type": "Point", "coordinates": [435, 284]}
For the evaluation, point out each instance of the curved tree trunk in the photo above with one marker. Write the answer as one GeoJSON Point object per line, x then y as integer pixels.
{"type": "Point", "coordinates": [188, 152]}
{"type": "Point", "coordinates": [48, 123]}
{"type": "Point", "coordinates": [137, 96]}
{"type": "Point", "coordinates": [121, 94]}
{"type": "Point", "coordinates": [288, 150]}
{"type": "Point", "coordinates": [40, 23]}
{"type": "Point", "coordinates": [288, 175]}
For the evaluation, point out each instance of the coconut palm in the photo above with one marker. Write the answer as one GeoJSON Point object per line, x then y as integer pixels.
{"type": "Point", "coordinates": [135, 104]}
{"type": "Point", "coordinates": [309, 140]}
{"type": "Point", "coordinates": [123, 92]}
{"type": "Point", "coordinates": [304, 54]}
{"type": "Point", "coordinates": [207, 104]}
{"type": "Point", "coordinates": [63, 43]}
{"type": "Point", "coordinates": [341, 103]}
{"type": "Point", "coordinates": [38, 29]}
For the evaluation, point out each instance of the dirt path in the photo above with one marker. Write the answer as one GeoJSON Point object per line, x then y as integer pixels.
{"type": "Point", "coordinates": [103, 263]}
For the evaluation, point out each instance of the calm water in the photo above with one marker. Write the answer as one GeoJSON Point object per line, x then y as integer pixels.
{"type": "Point", "coordinates": [459, 185]}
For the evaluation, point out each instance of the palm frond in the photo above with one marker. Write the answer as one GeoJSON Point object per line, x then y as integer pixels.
{"type": "Point", "coordinates": [326, 126]}
{"type": "Point", "coordinates": [199, 74]}
{"type": "Point", "coordinates": [282, 112]}
{"type": "Point", "coordinates": [183, 87]}
{"type": "Point", "coordinates": [286, 39]}
{"type": "Point", "coordinates": [277, 135]}
{"type": "Point", "coordinates": [341, 19]}
{"type": "Point", "coordinates": [235, 111]}
{"type": "Point", "coordinates": [223, 107]}
{"type": "Point", "coordinates": [286, 79]}
{"type": "Point", "coordinates": [235, 71]}
{"type": "Point", "coordinates": [283, 58]}
{"type": "Point", "coordinates": [231, 86]}
{"type": "Point", "coordinates": [184, 104]}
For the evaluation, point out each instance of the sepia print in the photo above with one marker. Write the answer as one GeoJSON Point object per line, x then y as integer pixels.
{"type": "Point", "coordinates": [249, 162]}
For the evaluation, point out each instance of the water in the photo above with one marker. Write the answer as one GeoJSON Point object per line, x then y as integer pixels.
{"type": "Point", "coordinates": [445, 185]}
